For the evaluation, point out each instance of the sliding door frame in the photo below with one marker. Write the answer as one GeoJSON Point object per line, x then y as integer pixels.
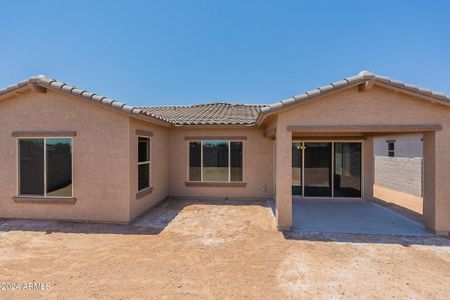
{"type": "Point", "coordinates": [332, 141]}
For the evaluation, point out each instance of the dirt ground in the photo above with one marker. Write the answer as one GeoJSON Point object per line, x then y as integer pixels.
{"type": "Point", "coordinates": [189, 249]}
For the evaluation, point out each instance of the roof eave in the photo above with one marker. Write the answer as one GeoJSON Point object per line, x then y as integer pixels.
{"type": "Point", "coordinates": [60, 87]}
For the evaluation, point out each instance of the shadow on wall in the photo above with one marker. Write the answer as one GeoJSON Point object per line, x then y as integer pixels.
{"type": "Point", "coordinates": [152, 222]}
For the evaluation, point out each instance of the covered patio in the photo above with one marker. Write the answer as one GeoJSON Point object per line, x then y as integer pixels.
{"type": "Point", "coordinates": [329, 194]}
{"type": "Point", "coordinates": [338, 122]}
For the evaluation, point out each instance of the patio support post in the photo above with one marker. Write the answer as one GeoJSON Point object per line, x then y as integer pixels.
{"type": "Point", "coordinates": [283, 181]}
{"type": "Point", "coordinates": [429, 173]}
{"type": "Point", "coordinates": [369, 168]}
{"type": "Point", "coordinates": [436, 194]}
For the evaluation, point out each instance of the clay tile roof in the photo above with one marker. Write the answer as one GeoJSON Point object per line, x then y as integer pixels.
{"type": "Point", "coordinates": [217, 113]}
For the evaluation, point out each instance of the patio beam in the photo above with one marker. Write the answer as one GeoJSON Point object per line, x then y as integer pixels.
{"type": "Point", "coordinates": [366, 128]}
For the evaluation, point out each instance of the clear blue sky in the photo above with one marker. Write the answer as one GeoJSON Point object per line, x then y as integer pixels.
{"type": "Point", "coordinates": [182, 52]}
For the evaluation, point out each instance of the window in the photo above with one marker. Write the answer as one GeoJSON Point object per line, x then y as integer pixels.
{"type": "Point", "coordinates": [216, 161]}
{"type": "Point", "coordinates": [236, 161]}
{"type": "Point", "coordinates": [45, 167]}
{"type": "Point", "coordinates": [195, 161]}
{"type": "Point", "coordinates": [391, 148]}
{"type": "Point", "coordinates": [143, 163]}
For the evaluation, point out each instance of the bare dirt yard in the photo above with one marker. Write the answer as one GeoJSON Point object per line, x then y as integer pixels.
{"type": "Point", "coordinates": [192, 249]}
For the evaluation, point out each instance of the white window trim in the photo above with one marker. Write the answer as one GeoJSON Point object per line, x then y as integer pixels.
{"type": "Point", "coordinates": [149, 162]}
{"type": "Point", "coordinates": [201, 160]}
{"type": "Point", "coordinates": [45, 166]}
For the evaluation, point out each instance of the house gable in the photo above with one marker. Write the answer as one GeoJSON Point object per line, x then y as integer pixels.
{"type": "Point", "coordinates": [363, 82]}
{"type": "Point", "coordinates": [377, 107]}
{"type": "Point", "coordinates": [99, 137]}
{"type": "Point", "coordinates": [41, 84]}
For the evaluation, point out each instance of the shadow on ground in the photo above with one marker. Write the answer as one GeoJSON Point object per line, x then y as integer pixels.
{"type": "Point", "coordinates": [155, 220]}
{"type": "Point", "coordinates": [151, 222]}
{"type": "Point", "coordinates": [367, 238]}
{"type": "Point", "coordinates": [400, 209]}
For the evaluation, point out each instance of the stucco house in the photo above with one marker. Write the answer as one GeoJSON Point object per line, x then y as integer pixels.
{"type": "Point", "coordinates": [68, 154]}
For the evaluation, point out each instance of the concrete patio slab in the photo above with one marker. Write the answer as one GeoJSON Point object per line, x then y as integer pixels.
{"type": "Point", "coordinates": [360, 217]}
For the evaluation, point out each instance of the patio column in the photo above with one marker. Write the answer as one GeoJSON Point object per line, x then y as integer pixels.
{"type": "Point", "coordinates": [369, 168]}
{"type": "Point", "coordinates": [436, 194]}
{"type": "Point", "coordinates": [283, 182]}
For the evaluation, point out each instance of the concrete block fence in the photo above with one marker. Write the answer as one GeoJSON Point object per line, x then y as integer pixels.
{"type": "Point", "coordinates": [403, 174]}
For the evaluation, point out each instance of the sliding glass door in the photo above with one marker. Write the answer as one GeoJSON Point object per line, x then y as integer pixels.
{"type": "Point", "coordinates": [297, 173]}
{"type": "Point", "coordinates": [326, 169]}
{"type": "Point", "coordinates": [347, 170]}
{"type": "Point", "coordinates": [317, 178]}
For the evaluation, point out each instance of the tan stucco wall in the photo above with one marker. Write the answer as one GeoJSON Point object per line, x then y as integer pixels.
{"type": "Point", "coordinates": [104, 153]}
{"type": "Point", "coordinates": [100, 156]}
{"type": "Point", "coordinates": [257, 164]}
{"type": "Point", "coordinates": [105, 160]}
{"type": "Point", "coordinates": [159, 173]}
{"type": "Point", "coordinates": [385, 107]}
